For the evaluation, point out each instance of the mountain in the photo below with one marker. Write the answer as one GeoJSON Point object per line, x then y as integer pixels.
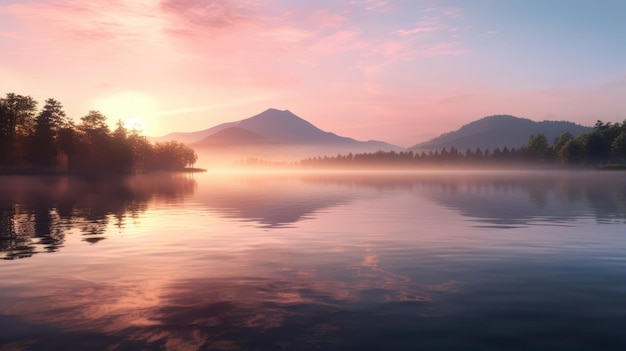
{"type": "Point", "coordinates": [285, 127]}
{"type": "Point", "coordinates": [278, 128]}
{"type": "Point", "coordinates": [499, 131]}
{"type": "Point", "coordinates": [193, 137]}
{"type": "Point", "coordinates": [234, 136]}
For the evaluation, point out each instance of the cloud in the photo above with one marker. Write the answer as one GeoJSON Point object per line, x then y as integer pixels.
{"type": "Point", "coordinates": [324, 18]}
{"type": "Point", "coordinates": [230, 35]}
{"type": "Point", "coordinates": [194, 55]}
{"type": "Point", "coordinates": [437, 33]}
{"type": "Point", "coordinates": [372, 5]}
{"type": "Point", "coordinates": [419, 29]}
{"type": "Point", "coordinates": [442, 49]}
{"type": "Point", "coordinates": [83, 25]}
{"type": "Point", "coordinates": [209, 14]}
{"type": "Point", "coordinates": [438, 19]}
{"type": "Point", "coordinates": [451, 11]}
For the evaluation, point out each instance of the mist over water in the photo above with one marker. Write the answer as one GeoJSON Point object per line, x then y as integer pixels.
{"type": "Point", "coordinates": [321, 260]}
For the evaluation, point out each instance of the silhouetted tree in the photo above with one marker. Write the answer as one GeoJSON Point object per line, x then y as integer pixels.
{"type": "Point", "coordinates": [142, 152]}
{"type": "Point", "coordinates": [95, 153]}
{"type": "Point", "coordinates": [478, 154]}
{"type": "Point", "coordinates": [596, 148]}
{"type": "Point", "coordinates": [468, 154]}
{"type": "Point", "coordinates": [173, 155]}
{"type": "Point", "coordinates": [454, 153]}
{"type": "Point", "coordinates": [43, 144]}
{"type": "Point", "coordinates": [121, 150]}
{"type": "Point", "coordinates": [560, 142]}
{"type": "Point", "coordinates": [537, 148]}
{"type": "Point", "coordinates": [572, 151]}
{"type": "Point", "coordinates": [16, 121]}
{"type": "Point", "coordinates": [618, 147]}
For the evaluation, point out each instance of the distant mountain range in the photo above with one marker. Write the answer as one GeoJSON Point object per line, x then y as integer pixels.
{"type": "Point", "coordinates": [276, 128]}
{"type": "Point", "coordinates": [499, 131]}
{"type": "Point", "coordinates": [276, 134]}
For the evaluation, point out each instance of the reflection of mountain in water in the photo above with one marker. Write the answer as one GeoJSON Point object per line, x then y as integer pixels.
{"type": "Point", "coordinates": [37, 212]}
{"type": "Point", "coordinates": [554, 198]}
{"type": "Point", "coordinates": [507, 199]}
{"type": "Point", "coordinates": [271, 201]}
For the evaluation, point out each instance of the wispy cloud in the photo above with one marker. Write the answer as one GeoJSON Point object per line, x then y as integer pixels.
{"type": "Point", "coordinates": [426, 24]}
{"type": "Point", "coordinates": [209, 14]}
{"type": "Point", "coordinates": [437, 33]}
{"type": "Point", "coordinates": [437, 19]}
{"type": "Point", "coordinates": [216, 106]}
{"type": "Point", "coordinates": [451, 11]}
{"type": "Point", "coordinates": [372, 5]}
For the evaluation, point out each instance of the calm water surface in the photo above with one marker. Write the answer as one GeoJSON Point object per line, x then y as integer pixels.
{"type": "Point", "coordinates": [432, 261]}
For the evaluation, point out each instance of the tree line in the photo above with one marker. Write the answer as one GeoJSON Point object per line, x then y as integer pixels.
{"type": "Point", "coordinates": [47, 140]}
{"type": "Point", "coordinates": [605, 145]}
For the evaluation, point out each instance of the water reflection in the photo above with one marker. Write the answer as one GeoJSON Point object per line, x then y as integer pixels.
{"type": "Point", "coordinates": [267, 201]}
{"type": "Point", "coordinates": [301, 308]}
{"type": "Point", "coordinates": [315, 261]}
{"type": "Point", "coordinates": [507, 199]}
{"type": "Point", "coordinates": [36, 213]}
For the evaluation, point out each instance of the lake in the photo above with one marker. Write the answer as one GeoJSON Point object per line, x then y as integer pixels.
{"type": "Point", "coordinates": [315, 261]}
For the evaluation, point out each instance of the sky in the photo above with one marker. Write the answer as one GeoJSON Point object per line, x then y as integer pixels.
{"type": "Point", "coordinates": [399, 71]}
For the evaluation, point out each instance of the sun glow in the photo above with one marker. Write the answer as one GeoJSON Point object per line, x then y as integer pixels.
{"type": "Point", "coordinates": [133, 108]}
{"type": "Point", "coordinates": [134, 124]}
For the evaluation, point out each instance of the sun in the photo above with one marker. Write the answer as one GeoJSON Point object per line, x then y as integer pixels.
{"type": "Point", "coordinates": [134, 124]}
{"type": "Point", "coordinates": [132, 107]}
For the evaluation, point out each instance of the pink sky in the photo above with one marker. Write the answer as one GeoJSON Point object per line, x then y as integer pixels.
{"type": "Point", "coordinates": [399, 71]}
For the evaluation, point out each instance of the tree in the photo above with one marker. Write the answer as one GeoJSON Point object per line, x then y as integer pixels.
{"type": "Point", "coordinates": [43, 145]}
{"type": "Point", "coordinates": [16, 121]}
{"type": "Point", "coordinates": [537, 148]}
{"type": "Point", "coordinates": [468, 154]}
{"type": "Point", "coordinates": [121, 149]}
{"type": "Point", "coordinates": [560, 141]}
{"type": "Point", "coordinates": [497, 153]}
{"type": "Point", "coordinates": [68, 143]}
{"type": "Point", "coordinates": [94, 122]}
{"type": "Point", "coordinates": [16, 114]}
{"type": "Point", "coordinates": [478, 154]}
{"type": "Point", "coordinates": [444, 154]}
{"type": "Point", "coordinates": [572, 152]}
{"type": "Point", "coordinates": [95, 153]}
{"type": "Point", "coordinates": [618, 147]}
{"type": "Point", "coordinates": [142, 152]}
{"type": "Point", "coordinates": [454, 153]}
{"type": "Point", "coordinates": [596, 148]}
{"type": "Point", "coordinates": [173, 155]}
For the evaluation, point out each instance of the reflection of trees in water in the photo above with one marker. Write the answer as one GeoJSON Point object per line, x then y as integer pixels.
{"type": "Point", "coordinates": [36, 213]}
{"type": "Point", "coordinates": [505, 198]}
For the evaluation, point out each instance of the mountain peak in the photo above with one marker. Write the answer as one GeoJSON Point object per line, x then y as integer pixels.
{"type": "Point", "coordinates": [282, 125]}
{"type": "Point", "coordinates": [274, 110]}
{"type": "Point", "coordinates": [274, 113]}
{"type": "Point", "coordinates": [277, 127]}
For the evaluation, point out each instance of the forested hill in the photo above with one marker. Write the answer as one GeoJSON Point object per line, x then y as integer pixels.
{"type": "Point", "coordinates": [499, 131]}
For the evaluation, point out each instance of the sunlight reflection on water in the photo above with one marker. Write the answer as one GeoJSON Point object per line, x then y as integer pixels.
{"type": "Point", "coordinates": [315, 261]}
